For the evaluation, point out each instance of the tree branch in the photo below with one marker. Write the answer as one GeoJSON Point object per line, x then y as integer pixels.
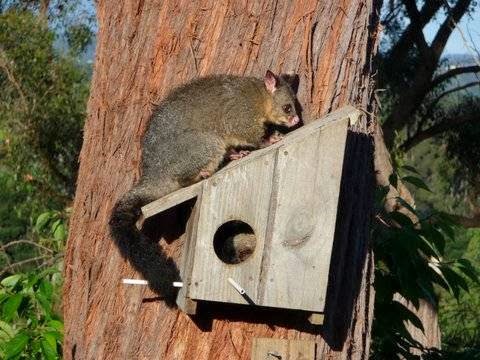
{"type": "Point", "coordinates": [436, 129]}
{"type": "Point", "coordinates": [21, 263]}
{"type": "Point", "coordinates": [451, 91]}
{"type": "Point", "coordinates": [406, 40]}
{"type": "Point", "coordinates": [434, 102]}
{"type": "Point", "coordinates": [454, 72]}
{"type": "Point", "coordinates": [12, 79]}
{"type": "Point", "coordinates": [417, 27]}
{"type": "Point", "coordinates": [28, 242]}
{"type": "Point", "coordinates": [443, 34]}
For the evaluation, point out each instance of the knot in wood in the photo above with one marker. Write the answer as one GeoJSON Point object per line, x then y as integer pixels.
{"type": "Point", "coordinates": [299, 228]}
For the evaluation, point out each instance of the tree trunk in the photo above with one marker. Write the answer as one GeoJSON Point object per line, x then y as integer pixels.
{"type": "Point", "coordinates": [146, 48]}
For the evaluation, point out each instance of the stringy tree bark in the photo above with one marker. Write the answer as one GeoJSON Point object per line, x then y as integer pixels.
{"type": "Point", "coordinates": [146, 48]}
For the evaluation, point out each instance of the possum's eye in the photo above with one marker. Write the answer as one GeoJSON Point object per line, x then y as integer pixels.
{"type": "Point", "coordinates": [287, 109]}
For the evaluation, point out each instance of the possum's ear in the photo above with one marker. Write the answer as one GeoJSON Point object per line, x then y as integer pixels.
{"type": "Point", "coordinates": [270, 81]}
{"type": "Point", "coordinates": [293, 80]}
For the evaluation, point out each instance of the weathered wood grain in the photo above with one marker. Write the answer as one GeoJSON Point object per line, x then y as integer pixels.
{"type": "Point", "coordinates": [298, 247]}
{"type": "Point", "coordinates": [186, 304]}
{"type": "Point", "coordinates": [171, 200]}
{"type": "Point", "coordinates": [243, 194]}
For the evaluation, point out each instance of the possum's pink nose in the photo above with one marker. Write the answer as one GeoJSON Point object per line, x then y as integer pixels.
{"type": "Point", "coordinates": [293, 120]}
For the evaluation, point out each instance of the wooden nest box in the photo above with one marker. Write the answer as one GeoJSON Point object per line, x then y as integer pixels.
{"type": "Point", "coordinates": [287, 195]}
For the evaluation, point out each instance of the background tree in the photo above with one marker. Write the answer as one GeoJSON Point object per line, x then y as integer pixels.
{"type": "Point", "coordinates": [429, 108]}
{"type": "Point", "coordinates": [424, 94]}
{"type": "Point", "coordinates": [143, 51]}
{"type": "Point", "coordinates": [42, 107]}
{"type": "Point", "coordinates": [44, 83]}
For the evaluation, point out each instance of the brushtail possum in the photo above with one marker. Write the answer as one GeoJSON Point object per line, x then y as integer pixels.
{"type": "Point", "coordinates": [194, 129]}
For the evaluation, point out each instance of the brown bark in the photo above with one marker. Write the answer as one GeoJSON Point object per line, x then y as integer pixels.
{"type": "Point", "coordinates": [431, 337]}
{"type": "Point", "coordinates": [143, 50]}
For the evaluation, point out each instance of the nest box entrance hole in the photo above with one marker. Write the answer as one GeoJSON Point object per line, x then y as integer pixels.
{"type": "Point", "coordinates": [234, 242]}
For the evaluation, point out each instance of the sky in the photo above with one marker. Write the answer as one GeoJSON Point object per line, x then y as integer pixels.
{"type": "Point", "coordinates": [469, 25]}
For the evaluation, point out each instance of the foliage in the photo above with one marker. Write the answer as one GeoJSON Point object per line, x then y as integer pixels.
{"type": "Point", "coordinates": [45, 84]}
{"type": "Point", "coordinates": [463, 147]}
{"type": "Point", "coordinates": [42, 109]}
{"type": "Point", "coordinates": [409, 255]}
{"type": "Point", "coordinates": [42, 106]}
{"type": "Point", "coordinates": [460, 319]}
{"type": "Point", "coordinates": [30, 327]}
{"type": "Point", "coordinates": [426, 95]}
{"type": "Point", "coordinates": [43, 248]}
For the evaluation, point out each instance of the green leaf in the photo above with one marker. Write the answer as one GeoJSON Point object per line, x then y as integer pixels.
{"type": "Point", "coordinates": [55, 225]}
{"type": "Point", "coordinates": [380, 194]}
{"type": "Point", "coordinates": [429, 249]}
{"type": "Point", "coordinates": [393, 180]}
{"type": "Point", "coordinates": [454, 280]}
{"type": "Point", "coordinates": [42, 220]}
{"type": "Point", "coordinates": [406, 205]}
{"type": "Point", "coordinates": [6, 329]}
{"type": "Point", "coordinates": [410, 168]}
{"type": "Point", "coordinates": [447, 229]}
{"type": "Point", "coordinates": [416, 181]}
{"type": "Point", "coordinates": [16, 345]}
{"type": "Point", "coordinates": [46, 304]}
{"type": "Point", "coordinates": [426, 285]}
{"type": "Point", "coordinates": [60, 233]}
{"type": "Point", "coordinates": [11, 281]}
{"type": "Point", "coordinates": [35, 346]}
{"type": "Point", "coordinates": [467, 268]}
{"type": "Point", "coordinates": [401, 219]}
{"type": "Point", "coordinates": [49, 346]}
{"type": "Point", "coordinates": [56, 334]}
{"type": "Point", "coordinates": [57, 325]}
{"type": "Point", "coordinates": [11, 306]}
{"type": "Point", "coordinates": [46, 289]}
{"type": "Point", "coordinates": [434, 236]}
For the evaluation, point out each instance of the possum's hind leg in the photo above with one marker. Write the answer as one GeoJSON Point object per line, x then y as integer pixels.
{"type": "Point", "coordinates": [200, 155]}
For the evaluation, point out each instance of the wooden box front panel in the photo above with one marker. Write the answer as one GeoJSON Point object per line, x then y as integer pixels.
{"type": "Point", "coordinates": [298, 247]}
{"type": "Point", "coordinates": [288, 193]}
{"type": "Point", "coordinates": [243, 194]}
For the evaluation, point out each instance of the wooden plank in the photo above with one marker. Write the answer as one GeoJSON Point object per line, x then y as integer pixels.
{"type": "Point", "coordinates": [186, 304]}
{"type": "Point", "coordinates": [276, 349]}
{"type": "Point", "coordinates": [303, 215]}
{"type": "Point", "coordinates": [243, 194]}
{"type": "Point", "coordinates": [171, 200]}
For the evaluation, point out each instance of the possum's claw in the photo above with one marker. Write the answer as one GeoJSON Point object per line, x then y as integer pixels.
{"type": "Point", "coordinates": [235, 155]}
{"type": "Point", "coordinates": [272, 139]}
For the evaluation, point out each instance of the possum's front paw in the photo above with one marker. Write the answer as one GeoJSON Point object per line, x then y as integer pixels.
{"type": "Point", "coordinates": [272, 139]}
{"type": "Point", "coordinates": [205, 174]}
{"type": "Point", "coordinates": [235, 155]}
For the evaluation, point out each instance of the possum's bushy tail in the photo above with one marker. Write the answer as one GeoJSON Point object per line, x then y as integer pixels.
{"type": "Point", "coordinates": [146, 256]}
